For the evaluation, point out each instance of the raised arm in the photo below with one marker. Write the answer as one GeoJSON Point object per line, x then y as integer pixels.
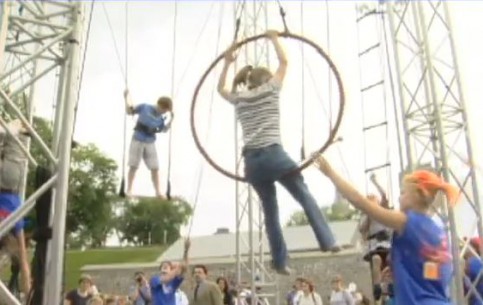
{"type": "Point", "coordinates": [229, 58]}
{"type": "Point", "coordinates": [24, 262]}
{"type": "Point", "coordinates": [282, 58]}
{"type": "Point", "coordinates": [128, 102]}
{"type": "Point", "coordinates": [393, 219]}
{"type": "Point", "coordinates": [381, 191]}
{"type": "Point", "coordinates": [184, 265]}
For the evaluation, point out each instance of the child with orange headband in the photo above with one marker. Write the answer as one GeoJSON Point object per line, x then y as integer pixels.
{"type": "Point", "coordinates": [421, 260]}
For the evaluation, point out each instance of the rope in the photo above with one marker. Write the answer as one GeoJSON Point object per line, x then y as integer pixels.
{"type": "Point", "coordinates": [302, 46]}
{"type": "Point", "coordinates": [111, 30]}
{"type": "Point", "coordinates": [198, 39]}
{"type": "Point", "coordinates": [81, 76]}
{"type": "Point", "coordinates": [210, 112]}
{"type": "Point", "coordinates": [282, 14]}
{"type": "Point", "coordinates": [126, 66]}
{"type": "Point", "coordinates": [170, 137]}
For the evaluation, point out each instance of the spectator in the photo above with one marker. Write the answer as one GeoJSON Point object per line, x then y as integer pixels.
{"type": "Point", "coordinates": [339, 295]}
{"type": "Point", "coordinates": [205, 292]}
{"type": "Point", "coordinates": [296, 288]}
{"type": "Point", "coordinates": [307, 296]}
{"type": "Point", "coordinates": [225, 291]}
{"type": "Point", "coordinates": [95, 301]}
{"type": "Point", "coordinates": [81, 295]}
{"type": "Point", "coordinates": [139, 293]}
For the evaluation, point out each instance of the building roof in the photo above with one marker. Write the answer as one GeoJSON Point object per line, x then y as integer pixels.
{"type": "Point", "coordinates": [298, 239]}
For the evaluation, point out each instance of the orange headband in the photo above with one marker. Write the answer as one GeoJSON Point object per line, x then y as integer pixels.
{"type": "Point", "coordinates": [430, 183]}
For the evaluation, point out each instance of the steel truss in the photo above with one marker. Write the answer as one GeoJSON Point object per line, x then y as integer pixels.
{"type": "Point", "coordinates": [253, 20]}
{"type": "Point", "coordinates": [432, 107]}
{"type": "Point", "coordinates": [37, 39]}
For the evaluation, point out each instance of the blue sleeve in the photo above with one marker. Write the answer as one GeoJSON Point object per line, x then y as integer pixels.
{"type": "Point", "coordinates": [474, 268]}
{"type": "Point", "coordinates": [155, 282]}
{"type": "Point", "coordinates": [412, 231]}
{"type": "Point", "coordinates": [176, 282]}
{"type": "Point", "coordinates": [139, 108]}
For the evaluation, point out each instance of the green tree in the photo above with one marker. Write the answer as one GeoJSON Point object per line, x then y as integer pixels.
{"type": "Point", "coordinates": [338, 211]}
{"type": "Point", "coordinates": [150, 220]}
{"type": "Point", "coordinates": [92, 189]}
{"type": "Point", "coordinates": [92, 194]}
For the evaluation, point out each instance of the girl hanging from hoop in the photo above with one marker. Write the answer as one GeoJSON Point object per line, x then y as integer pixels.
{"type": "Point", "coordinates": [266, 162]}
{"type": "Point", "coordinates": [421, 262]}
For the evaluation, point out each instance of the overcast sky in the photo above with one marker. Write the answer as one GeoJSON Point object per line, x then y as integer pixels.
{"type": "Point", "coordinates": [203, 30]}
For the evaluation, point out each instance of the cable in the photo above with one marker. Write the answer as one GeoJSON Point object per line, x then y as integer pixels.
{"type": "Point", "coordinates": [194, 49]}
{"type": "Point", "coordinates": [123, 73]}
{"type": "Point", "coordinates": [302, 46]}
{"type": "Point", "coordinates": [122, 193]}
{"type": "Point", "coordinates": [170, 137]}
{"type": "Point", "coordinates": [210, 113]}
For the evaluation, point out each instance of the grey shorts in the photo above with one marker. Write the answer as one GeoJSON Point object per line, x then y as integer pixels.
{"type": "Point", "coordinates": [146, 151]}
{"type": "Point", "coordinates": [12, 174]}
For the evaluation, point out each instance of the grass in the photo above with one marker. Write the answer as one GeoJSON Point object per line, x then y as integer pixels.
{"type": "Point", "coordinates": [76, 259]}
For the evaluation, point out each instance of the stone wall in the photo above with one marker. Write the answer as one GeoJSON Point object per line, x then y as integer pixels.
{"type": "Point", "coordinates": [316, 267]}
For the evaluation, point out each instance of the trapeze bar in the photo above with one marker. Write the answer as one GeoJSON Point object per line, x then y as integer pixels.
{"type": "Point", "coordinates": [374, 126]}
{"type": "Point", "coordinates": [6, 296]}
{"type": "Point", "coordinates": [377, 167]}
{"type": "Point", "coordinates": [7, 224]}
{"type": "Point", "coordinates": [36, 54]}
{"type": "Point", "coordinates": [17, 141]}
{"type": "Point", "coordinates": [32, 131]}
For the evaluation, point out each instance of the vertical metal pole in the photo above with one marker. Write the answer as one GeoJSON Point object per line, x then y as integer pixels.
{"type": "Point", "coordinates": [443, 154]}
{"type": "Point", "coordinates": [5, 12]}
{"type": "Point", "coordinates": [55, 270]}
{"type": "Point", "coordinates": [397, 61]}
{"type": "Point", "coordinates": [251, 243]}
{"type": "Point", "coordinates": [469, 146]}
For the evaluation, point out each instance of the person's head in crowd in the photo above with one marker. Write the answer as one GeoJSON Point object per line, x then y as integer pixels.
{"type": "Point", "coordinates": [200, 273]}
{"type": "Point", "coordinates": [85, 283]}
{"type": "Point", "coordinates": [336, 283]}
{"type": "Point", "coordinates": [223, 284]}
{"type": "Point", "coordinates": [307, 286]}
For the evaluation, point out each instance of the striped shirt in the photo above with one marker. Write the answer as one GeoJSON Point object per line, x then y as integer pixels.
{"type": "Point", "coordinates": [258, 111]}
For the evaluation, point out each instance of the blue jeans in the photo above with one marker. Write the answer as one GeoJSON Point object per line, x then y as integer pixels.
{"type": "Point", "coordinates": [265, 166]}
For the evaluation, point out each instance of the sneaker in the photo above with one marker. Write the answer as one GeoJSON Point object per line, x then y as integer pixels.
{"type": "Point", "coordinates": [284, 271]}
{"type": "Point", "coordinates": [335, 249]}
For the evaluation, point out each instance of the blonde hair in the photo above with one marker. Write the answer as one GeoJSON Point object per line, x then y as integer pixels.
{"type": "Point", "coordinates": [429, 184]}
{"type": "Point", "coordinates": [95, 299]}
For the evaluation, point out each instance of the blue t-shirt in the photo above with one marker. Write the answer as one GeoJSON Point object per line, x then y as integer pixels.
{"type": "Point", "coordinates": [164, 294]}
{"type": "Point", "coordinates": [421, 263]}
{"type": "Point", "coordinates": [8, 204]}
{"type": "Point", "coordinates": [474, 267]}
{"type": "Point", "coordinates": [148, 116]}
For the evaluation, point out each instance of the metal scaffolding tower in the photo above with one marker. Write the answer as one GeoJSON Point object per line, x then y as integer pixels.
{"type": "Point", "coordinates": [39, 38]}
{"type": "Point", "coordinates": [253, 19]}
{"type": "Point", "coordinates": [434, 128]}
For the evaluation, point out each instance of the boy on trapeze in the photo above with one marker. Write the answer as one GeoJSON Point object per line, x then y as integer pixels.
{"type": "Point", "coordinates": [12, 174]}
{"type": "Point", "coordinates": [151, 120]}
{"type": "Point", "coordinates": [266, 162]}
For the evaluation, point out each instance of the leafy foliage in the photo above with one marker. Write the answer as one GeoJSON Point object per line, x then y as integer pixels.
{"type": "Point", "coordinates": [151, 221]}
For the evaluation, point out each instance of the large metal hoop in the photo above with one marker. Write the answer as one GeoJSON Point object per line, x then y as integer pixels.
{"type": "Point", "coordinates": [305, 163]}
